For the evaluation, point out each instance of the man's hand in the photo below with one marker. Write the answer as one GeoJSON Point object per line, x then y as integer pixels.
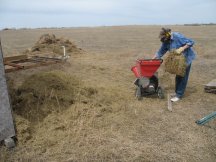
{"type": "Point", "coordinates": [180, 50]}
{"type": "Point", "coordinates": [155, 57]}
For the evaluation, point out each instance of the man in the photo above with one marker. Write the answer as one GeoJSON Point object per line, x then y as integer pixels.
{"type": "Point", "coordinates": [171, 41]}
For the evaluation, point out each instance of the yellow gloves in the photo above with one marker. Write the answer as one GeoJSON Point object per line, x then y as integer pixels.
{"type": "Point", "coordinates": [180, 50]}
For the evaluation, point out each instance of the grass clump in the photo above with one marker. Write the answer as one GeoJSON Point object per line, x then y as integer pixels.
{"type": "Point", "coordinates": [44, 92]}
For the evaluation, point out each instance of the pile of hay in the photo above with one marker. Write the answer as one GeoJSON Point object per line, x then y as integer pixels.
{"type": "Point", "coordinates": [45, 92]}
{"type": "Point", "coordinates": [175, 63]}
{"type": "Point", "coordinates": [23, 129]}
{"type": "Point", "coordinates": [48, 43]}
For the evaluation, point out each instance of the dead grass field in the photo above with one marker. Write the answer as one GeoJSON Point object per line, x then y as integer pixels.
{"type": "Point", "coordinates": [112, 125]}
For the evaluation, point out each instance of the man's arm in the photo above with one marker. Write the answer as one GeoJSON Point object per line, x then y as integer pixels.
{"type": "Point", "coordinates": [163, 49]}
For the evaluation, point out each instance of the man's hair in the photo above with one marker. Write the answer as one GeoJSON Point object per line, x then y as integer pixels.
{"type": "Point", "coordinates": [164, 34]}
{"type": "Point", "coordinates": [164, 31]}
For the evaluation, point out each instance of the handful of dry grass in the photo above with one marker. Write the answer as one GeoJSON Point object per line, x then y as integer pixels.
{"type": "Point", "coordinates": [175, 63]}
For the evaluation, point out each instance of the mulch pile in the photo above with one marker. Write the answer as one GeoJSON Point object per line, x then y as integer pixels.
{"type": "Point", "coordinates": [45, 92]}
{"type": "Point", "coordinates": [50, 44]}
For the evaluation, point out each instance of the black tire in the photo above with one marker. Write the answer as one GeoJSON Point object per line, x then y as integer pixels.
{"type": "Point", "coordinates": [160, 93]}
{"type": "Point", "coordinates": [138, 94]}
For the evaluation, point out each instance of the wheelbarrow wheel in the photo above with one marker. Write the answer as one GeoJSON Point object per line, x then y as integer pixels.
{"type": "Point", "coordinates": [138, 93]}
{"type": "Point", "coordinates": [160, 93]}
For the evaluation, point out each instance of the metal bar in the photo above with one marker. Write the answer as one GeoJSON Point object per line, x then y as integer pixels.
{"type": "Point", "coordinates": [206, 119]}
{"type": "Point", "coordinates": [44, 60]}
{"type": "Point", "coordinates": [49, 58]}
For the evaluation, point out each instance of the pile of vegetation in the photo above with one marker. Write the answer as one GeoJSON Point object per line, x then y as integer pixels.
{"type": "Point", "coordinates": [45, 92]}
{"type": "Point", "coordinates": [48, 43]}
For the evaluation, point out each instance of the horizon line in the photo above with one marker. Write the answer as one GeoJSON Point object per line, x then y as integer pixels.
{"type": "Point", "coordinates": [92, 26]}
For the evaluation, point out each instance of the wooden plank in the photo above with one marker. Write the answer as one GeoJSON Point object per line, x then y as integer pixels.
{"type": "Point", "coordinates": [32, 65]}
{"type": "Point", "coordinates": [169, 102]}
{"type": "Point", "coordinates": [211, 84]}
{"type": "Point", "coordinates": [14, 65]}
{"type": "Point", "coordinates": [211, 87]}
{"type": "Point", "coordinates": [15, 58]}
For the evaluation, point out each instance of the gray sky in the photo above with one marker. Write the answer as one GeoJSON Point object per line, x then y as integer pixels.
{"type": "Point", "coordinates": [75, 13]}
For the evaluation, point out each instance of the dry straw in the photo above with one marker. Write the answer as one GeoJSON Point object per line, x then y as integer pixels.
{"type": "Point", "coordinates": [175, 63]}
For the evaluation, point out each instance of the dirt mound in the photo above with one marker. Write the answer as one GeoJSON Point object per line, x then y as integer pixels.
{"type": "Point", "coordinates": [45, 92]}
{"type": "Point", "coordinates": [48, 43]}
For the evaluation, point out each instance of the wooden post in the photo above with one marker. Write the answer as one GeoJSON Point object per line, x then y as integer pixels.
{"type": "Point", "coordinates": [169, 102]}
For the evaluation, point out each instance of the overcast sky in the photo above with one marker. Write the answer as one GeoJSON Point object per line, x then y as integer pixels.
{"type": "Point", "coordinates": [75, 13]}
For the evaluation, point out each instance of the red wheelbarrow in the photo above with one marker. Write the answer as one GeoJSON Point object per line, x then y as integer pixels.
{"type": "Point", "coordinates": [147, 82]}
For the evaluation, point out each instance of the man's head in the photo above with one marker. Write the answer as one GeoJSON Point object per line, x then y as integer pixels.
{"type": "Point", "coordinates": [165, 35]}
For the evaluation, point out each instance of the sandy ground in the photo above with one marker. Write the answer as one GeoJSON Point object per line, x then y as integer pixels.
{"type": "Point", "coordinates": [112, 125]}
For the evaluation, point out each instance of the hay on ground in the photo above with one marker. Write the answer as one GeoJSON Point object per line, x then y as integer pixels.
{"type": "Point", "coordinates": [44, 92]}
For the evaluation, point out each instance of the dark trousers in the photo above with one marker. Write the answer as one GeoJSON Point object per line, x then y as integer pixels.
{"type": "Point", "coordinates": [181, 83]}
